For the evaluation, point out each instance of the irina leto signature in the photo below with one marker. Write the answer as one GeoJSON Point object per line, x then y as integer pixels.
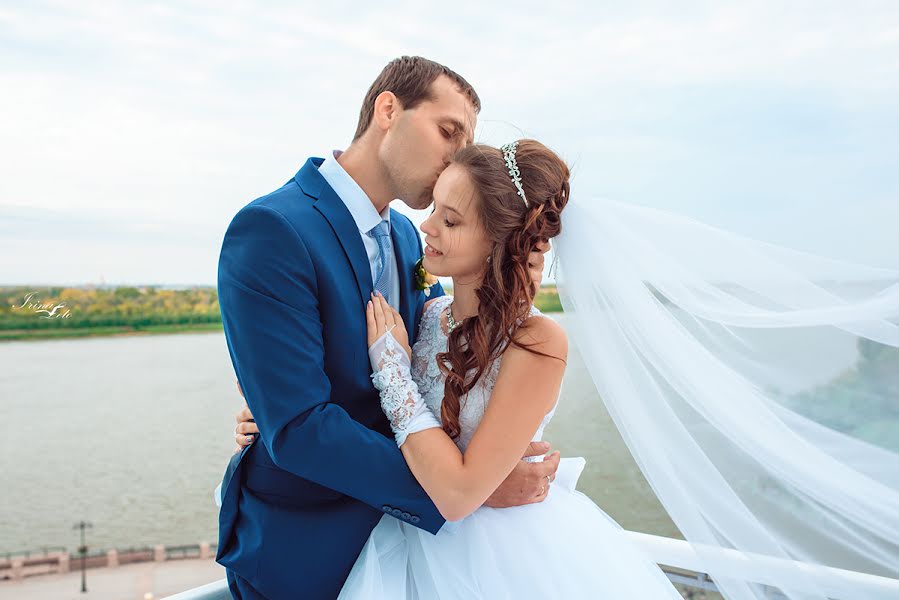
{"type": "Point", "coordinates": [44, 310]}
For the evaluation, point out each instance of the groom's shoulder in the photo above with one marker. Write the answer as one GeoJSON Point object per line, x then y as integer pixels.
{"type": "Point", "coordinates": [266, 214]}
{"type": "Point", "coordinates": [292, 197]}
{"type": "Point", "coordinates": [288, 204]}
{"type": "Point", "coordinates": [287, 199]}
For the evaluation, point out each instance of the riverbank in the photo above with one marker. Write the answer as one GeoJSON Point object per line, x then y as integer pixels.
{"type": "Point", "coordinates": [120, 331]}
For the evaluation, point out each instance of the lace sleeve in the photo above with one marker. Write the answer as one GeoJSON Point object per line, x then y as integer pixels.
{"type": "Point", "coordinates": [400, 400]}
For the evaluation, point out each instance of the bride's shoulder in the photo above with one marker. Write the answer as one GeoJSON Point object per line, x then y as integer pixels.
{"type": "Point", "coordinates": [543, 334]}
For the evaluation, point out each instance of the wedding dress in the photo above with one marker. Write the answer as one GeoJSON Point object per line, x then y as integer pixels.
{"type": "Point", "coordinates": [564, 547]}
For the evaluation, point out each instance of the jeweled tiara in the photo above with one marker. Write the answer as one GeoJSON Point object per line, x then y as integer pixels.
{"type": "Point", "coordinates": [509, 155]}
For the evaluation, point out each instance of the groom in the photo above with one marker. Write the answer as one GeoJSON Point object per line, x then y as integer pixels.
{"type": "Point", "coordinates": [295, 271]}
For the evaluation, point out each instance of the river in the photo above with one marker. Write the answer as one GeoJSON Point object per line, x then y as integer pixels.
{"type": "Point", "coordinates": [132, 434]}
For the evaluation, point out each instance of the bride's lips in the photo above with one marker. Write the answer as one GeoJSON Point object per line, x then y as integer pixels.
{"type": "Point", "coordinates": [429, 251]}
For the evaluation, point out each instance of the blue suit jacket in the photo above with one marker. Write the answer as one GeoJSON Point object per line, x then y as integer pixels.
{"type": "Point", "coordinates": [299, 504]}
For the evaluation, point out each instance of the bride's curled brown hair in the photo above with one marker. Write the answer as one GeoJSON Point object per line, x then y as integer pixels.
{"type": "Point", "coordinates": [515, 227]}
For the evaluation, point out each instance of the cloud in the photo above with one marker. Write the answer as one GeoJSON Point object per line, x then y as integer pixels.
{"type": "Point", "coordinates": [746, 115]}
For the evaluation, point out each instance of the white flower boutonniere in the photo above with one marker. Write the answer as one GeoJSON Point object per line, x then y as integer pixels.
{"type": "Point", "coordinates": [423, 280]}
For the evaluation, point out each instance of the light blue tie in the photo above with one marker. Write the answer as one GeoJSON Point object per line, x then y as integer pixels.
{"type": "Point", "coordinates": [381, 233]}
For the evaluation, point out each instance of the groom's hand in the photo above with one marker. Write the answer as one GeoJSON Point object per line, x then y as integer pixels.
{"type": "Point", "coordinates": [536, 260]}
{"type": "Point", "coordinates": [528, 483]}
{"type": "Point", "coordinates": [246, 431]}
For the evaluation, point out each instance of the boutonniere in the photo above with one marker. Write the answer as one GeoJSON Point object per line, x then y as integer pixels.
{"type": "Point", "coordinates": [423, 280]}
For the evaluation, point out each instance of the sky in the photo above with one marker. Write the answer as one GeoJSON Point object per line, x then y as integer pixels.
{"type": "Point", "coordinates": [132, 132]}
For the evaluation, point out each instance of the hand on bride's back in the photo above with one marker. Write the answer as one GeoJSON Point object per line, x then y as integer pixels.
{"type": "Point", "coordinates": [246, 431]}
{"type": "Point", "coordinates": [529, 482]}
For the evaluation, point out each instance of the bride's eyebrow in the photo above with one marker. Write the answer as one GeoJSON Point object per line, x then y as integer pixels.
{"type": "Point", "coordinates": [435, 204]}
{"type": "Point", "coordinates": [454, 210]}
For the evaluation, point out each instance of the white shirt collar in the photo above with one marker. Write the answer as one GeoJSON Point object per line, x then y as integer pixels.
{"type": "Point", "coordinates": [355, 199]}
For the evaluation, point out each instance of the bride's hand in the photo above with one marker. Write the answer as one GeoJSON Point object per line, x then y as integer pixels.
{"type": "Point", "coordinates": [381, 318]}
{"type": "Point", "coordinates": [246, 431]}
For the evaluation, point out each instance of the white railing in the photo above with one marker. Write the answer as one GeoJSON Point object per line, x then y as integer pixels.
{"type": "Point", "coordinates": [765, 570]}
{"type": "Point", "coordinates": [217, 590]}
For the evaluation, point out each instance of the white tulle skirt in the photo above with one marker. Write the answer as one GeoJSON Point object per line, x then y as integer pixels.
{"type": "Point", "coordinates": [565, 547]}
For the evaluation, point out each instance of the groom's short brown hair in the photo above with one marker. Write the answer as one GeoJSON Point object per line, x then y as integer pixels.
{"type": "Point", "coordinates": [410, 79]}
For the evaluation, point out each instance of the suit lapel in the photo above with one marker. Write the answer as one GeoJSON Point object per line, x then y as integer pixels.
{"type": "Point", "coordinates": [329, 204]}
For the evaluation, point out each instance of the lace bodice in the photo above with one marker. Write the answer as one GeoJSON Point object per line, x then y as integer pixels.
{"type": "Point", "coordinates": [432, 340]}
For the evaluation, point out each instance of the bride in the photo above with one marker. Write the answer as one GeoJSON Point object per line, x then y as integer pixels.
{"type": "Point", "coordinates": [482, 383]}
{"type": "Point", "coordinates": [490, 366]}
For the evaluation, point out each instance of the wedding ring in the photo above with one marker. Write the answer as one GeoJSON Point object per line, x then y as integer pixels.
{"type": "Point", "coordinates": [548, 480]}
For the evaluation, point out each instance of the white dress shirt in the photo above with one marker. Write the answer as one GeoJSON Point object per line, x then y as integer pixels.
{"type": "Point", "coordinates": [366, 218]}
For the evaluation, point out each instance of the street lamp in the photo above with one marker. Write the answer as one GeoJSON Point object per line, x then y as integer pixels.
{"type": "Point", "coordinates": [83, 550]}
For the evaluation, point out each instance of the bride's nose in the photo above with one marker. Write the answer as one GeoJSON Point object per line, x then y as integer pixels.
{"type": "Point", "coordinates": [426, 227]}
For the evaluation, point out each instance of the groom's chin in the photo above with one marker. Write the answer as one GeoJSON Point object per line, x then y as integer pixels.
{"type": "Point", "coordinates": [420, 204]}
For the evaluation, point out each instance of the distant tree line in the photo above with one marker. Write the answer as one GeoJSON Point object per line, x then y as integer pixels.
{"type": "Point", "coordinates": [30, 308]}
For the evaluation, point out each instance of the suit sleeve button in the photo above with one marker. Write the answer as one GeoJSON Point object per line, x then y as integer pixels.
{"type": "Point", "coordinates": [386, 508]}
{"type": "Point", "coordinates": [406, 516]}
{"type": "Point", "coordinates": [396, 512]}
{"type": "Point", "coordinates": [413, 519]}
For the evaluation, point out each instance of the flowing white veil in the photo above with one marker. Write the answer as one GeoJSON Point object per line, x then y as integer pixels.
{"type": "Point", "coordinates": [757, 388]}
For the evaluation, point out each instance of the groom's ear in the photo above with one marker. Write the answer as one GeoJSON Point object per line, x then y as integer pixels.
{"type": "Point", "coordinates": [387, 107]}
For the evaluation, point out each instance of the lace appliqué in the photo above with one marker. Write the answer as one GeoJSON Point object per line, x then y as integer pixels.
{"type": "Point", "coordinates": [399, 394]}
{"type": "Point", "coordinates": [431, 341]}
{"type": "Point", "coordinates": [400, 400]}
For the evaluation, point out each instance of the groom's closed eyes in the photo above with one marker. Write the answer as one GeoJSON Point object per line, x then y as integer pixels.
{"type": "Point", "coordinates": [453, 128]}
